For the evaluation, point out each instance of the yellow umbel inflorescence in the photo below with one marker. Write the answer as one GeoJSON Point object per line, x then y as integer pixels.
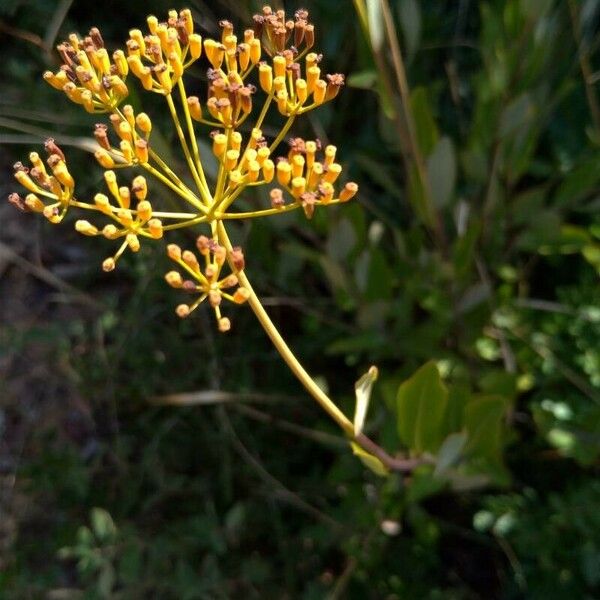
{"type": "Point", "coordinates": [272, 65]}
{"type": "Point", "coordinates": [208, 282]}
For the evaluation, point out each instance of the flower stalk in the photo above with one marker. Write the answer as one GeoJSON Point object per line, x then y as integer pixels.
{"type": "Point", "coordinates": [278, 52]}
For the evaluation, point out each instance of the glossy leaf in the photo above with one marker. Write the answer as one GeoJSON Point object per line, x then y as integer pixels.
{"type": "Point", "coordinates": [421, 405]}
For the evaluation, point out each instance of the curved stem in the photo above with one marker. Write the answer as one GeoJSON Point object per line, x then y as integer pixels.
{"type": "Point", "coordinates": [261, 314]}
{"type": "Point", "coordinates": [392, 463]}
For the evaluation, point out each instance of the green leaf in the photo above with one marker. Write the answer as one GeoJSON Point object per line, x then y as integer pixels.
{"type": "Point", "coordinates": [370, 461]}
{"type": "Point", "coordinates": [421, 404]}
{"type": "Point", "coordinates": [458, 398]}
{"type": "Point", "coordinates": [362, 389]}
{"type": "Point", "coordinates": [441, 171]}
{"type": "Point", "coordinates": [484, 421]}
{"type": "Point", "coordinates": [450, 452]}
{"type": "Point", "coordinates": [363, 80]}
{"type": "Point", "coordinates": [102, 524]}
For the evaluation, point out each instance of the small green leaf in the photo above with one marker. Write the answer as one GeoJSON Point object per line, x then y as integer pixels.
{"type": "Point", "coordinates": [421, 403]}
{"type": "Point", "coordinates": [370, 461]}
{"type": "Point", "coordinates": [363, 388]}
{"type": "Point", "coordinates": [450, 452]}
{"type": "Point", "coordinates": [363, 80]}
{"type": "Point", "coordinates": [102, 524]}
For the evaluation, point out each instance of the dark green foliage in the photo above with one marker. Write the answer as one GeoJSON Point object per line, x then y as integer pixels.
{"type": "Point", "coordinates": [474, 290]}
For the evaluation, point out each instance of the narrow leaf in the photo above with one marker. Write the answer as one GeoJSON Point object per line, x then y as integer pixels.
{"type": "Point", "coordinates": [363, 389]}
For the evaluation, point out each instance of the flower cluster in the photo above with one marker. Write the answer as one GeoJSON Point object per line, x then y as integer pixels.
{"type": "Point", "coordinates": [270, 65]}
{"type": "Point", "coordinates": [126, 222]}
{"type": "Point", "coordinates": [159, 59]}
{"type": "Point", "coordinates": [58, 186]}
{"type": "Point", "coordinates": [87, 75]}
{"type": "Point", "coordinates": [208, 282]}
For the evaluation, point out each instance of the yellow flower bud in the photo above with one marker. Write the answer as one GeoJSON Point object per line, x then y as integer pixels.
{"type": "Point", "coordinates": [219, 144]}
{"type": "Point", "coordinates": [124, 196]}
{"type": "Point", "coordinates": [236, 140]}
{"type": "Point", "coordinates": [298, 165]}
{"type": "Point", "coordinates": [127, 151]}
{"type": "Point", "coordinates": [174, 252]}
{"type": "Point", "coordinates": [265, 77]}
{"type": "Point", "coordinates": [125, 218]}
{"type": "Point", "coordinates": [235, 177]}
{"type": "Point", "coordinates": [144, 211]}
{"type": "Point", "coordinates": [241, 295]}
{"type": "Point", "coordinates": [332, 172]}
{"type": "Point", "coordinates": [190, 260]}
{"type": "Point", "coordinates": [312, 76]}
{"type": "Point", "coordinates": [85, 227]}
{"type": "Point", "coordinates": [319, 92]}
{"type": "Point", "coordinates": [195, 42]}
{"type": "Point", "coordinates": [121, 63]}
{"type": "Point", "coordinates": [255, 51]}
{"type": "Point", "coordinates": [33, 203]}
{"type": "Point", "coordinates": [110, 232]}
{"type": "Point", "coordinates": [330, 152]}
{"type": "Point", "coordinates": [195, 108]}
{"type": "Point", "coordinates": [155, 228]}
{"type": "Point", "coordinates": [348, 192]}
{"type": "Point", "coordinates": [141, 150]}
{"type": "Point", "coordinates": [133, 242]}
{"type": "Point", "coordinates": [284, 172]}
{"type": "Point", "coordinates": [224, 324]}
{"type": "Point", "coordinates": [244, 56]}
{"type": "Point", "coordinates": [298, 187]}
{"type": "Point", "coordinates": [253, 171]}
{"type": "Point", "coordinates": [301, 91]}
{"type": "Point", "coordinates": [139, 187]}
{"type": "Point", "coordinates": [279, 66]}
{"type": "Point", "coordinates": [231, 158]}
{"type": "Point", "coordinates": [103, 204]}
{"type": "Point", "coordinates": [315, 175]}
{"type": "Point", "coordinates": [182, 311]}
{"type": "Point", "coordinates": [144, 123]}
{"type": "Point", "coordinates": [108, 265]}
{"type": "Point", "coordinates": [26, 181]}
{"type": "Point", "coordinates": [268, 169]}
{"type": "Point", "coordinates": [57, 81]}
{"type": "Point", "coordinates": [111, 182]}
{"type": "Point", "coordinates": [174, 279]}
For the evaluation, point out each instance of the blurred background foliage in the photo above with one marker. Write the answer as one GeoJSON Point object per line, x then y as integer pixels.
{"type": "Point", "coordinates": [469, 264]}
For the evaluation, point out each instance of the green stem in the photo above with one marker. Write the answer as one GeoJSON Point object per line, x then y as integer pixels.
{"type": "Point", "coordinates": [184, 145]}
{"type": "Point", "coordinates": [282, 133]}
{"type": "Point", "coordinates": [192, 134]}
